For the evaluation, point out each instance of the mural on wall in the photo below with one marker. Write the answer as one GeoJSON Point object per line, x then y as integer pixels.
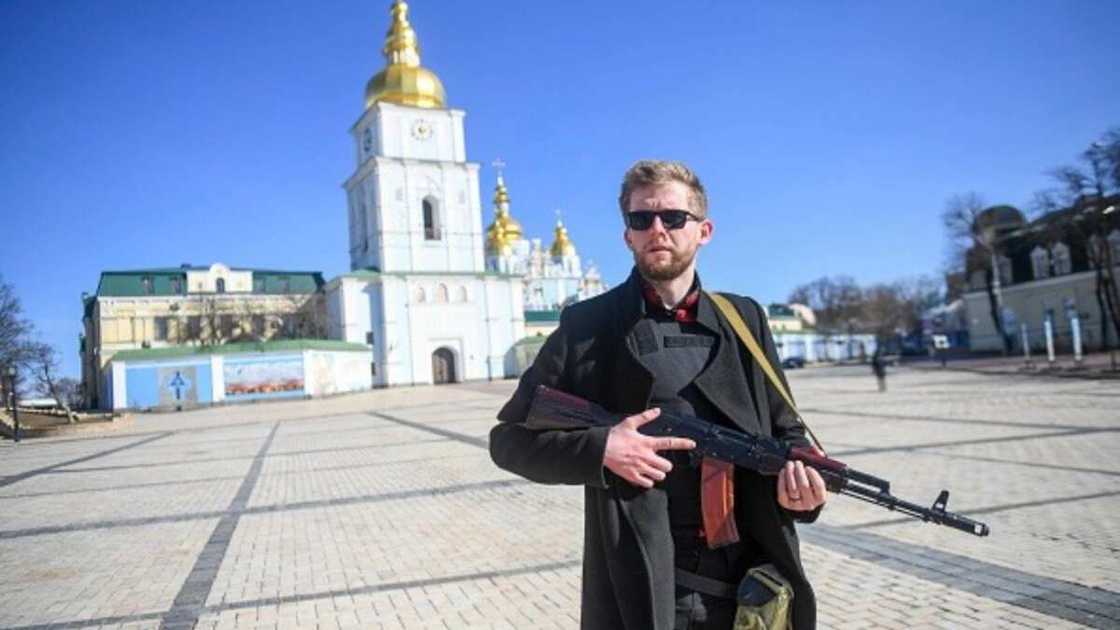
{"type": "Point", "coordinates": [263, 377]}
{"type": "Point", "coordinates": [177, 386]}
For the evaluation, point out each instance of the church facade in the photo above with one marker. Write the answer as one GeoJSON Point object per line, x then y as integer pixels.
{"type": "Point", "coordinates": [419, 290]}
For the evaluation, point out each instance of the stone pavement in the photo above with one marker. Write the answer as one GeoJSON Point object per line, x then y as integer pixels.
{"type": "Point", "coordinates": [383, 510]}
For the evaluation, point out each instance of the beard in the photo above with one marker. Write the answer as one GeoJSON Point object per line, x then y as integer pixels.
{"type": "Point", "coordinates": [665, 270]}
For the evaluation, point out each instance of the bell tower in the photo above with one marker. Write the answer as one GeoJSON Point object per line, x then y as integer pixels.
{"type": "Point", "coordinates": [413, 198]}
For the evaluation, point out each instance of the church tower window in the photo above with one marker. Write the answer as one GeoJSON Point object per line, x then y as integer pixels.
{"type": "Point", "coordinates": [431, 220]}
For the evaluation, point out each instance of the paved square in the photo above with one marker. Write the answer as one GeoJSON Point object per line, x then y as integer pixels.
{"type": "Point", "coordinates": [383, 510]}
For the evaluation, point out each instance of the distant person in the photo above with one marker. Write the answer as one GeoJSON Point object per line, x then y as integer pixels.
{"type": "Point", "coordinates": [661, 550]}
{"type": "Point", "coordinates": [879, 368]}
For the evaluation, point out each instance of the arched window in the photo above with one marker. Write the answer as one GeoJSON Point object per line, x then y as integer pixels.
{"type": "Point", "coordinates": [1060, 256]}
{"type": "Point", "coordinates": [442, 294]}
{"type": "Point", "coordinates": [431, 220]}
{"type": "Point", "coordinates": [463, 297]}
{"type": "Point", "coordinates": [221, 285]}
{"type": "Point", "coordinates": [418, 295]}
{"type": "Point", "coordinates": [1040, 262]}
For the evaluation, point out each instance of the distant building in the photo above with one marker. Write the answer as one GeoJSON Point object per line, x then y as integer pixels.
{"type": "Point", "coordinates": [188, 306]}
{"type": "Point", "coordinates": [1045, 274]}
{"type": "Point", "coordinates": [795, 335]}
{"type": "Point", "coordinates": [552, 278]}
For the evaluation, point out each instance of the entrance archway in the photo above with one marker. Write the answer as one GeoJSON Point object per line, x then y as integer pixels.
{"type": "Point", "coordinates": [443, 366]}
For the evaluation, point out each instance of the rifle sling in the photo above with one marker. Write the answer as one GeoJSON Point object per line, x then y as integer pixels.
{"type": "Point", "coordinates": [732, 315]}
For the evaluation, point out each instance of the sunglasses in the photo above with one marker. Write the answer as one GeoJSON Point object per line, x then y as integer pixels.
{"type": "Point", "coordinates": [672, 219]}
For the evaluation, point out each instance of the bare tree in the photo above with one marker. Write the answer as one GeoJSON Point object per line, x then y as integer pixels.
{"type": "Point", "coordinates": [1086, 205]}
{"type": "Point", "coordinates": [15, 336]}
{"type": "Point", "coordinates": [974, 241]}
{"type": "Point", "coordinates": [894, 309]}
{"type": "Point", "coordinates": [836, 301]}
{"type": "Point", "coordinates": [44, 369]}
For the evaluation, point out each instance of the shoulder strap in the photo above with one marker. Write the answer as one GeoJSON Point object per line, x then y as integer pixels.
{"type": "Point", "coordinates": [736, 320]}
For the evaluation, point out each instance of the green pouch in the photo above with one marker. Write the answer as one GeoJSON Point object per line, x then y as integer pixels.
{"type": "Point", "coordinates": [764, 598]}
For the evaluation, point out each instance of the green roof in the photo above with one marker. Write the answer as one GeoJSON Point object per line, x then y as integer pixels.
{"type": "Point", "coordinates": [130, 283]}
{"type": "Point", "coordinates": [542, 316]}
{"type": "Point", "coordinates": [286, 345]}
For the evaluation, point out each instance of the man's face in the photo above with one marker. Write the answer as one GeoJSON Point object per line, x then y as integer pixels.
{"type": "Point", "coordinates": [662, 254]}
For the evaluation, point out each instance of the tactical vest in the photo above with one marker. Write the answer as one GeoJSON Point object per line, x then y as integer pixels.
{"type": "Point", "coordinates": [675, 353]}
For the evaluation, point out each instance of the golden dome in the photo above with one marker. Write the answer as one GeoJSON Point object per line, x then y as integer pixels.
{"type": "Point", "coordinates": [505, 230]}
{"type": "Point", "coordinates": [562, 245]}
{"type": "Point", "coordinates": [496, 242]}
{"type": "Point", "coordinates": [403, 81]}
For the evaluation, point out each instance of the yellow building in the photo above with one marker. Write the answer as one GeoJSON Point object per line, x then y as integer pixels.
{"type": "Point", "coordinates": [194, 306]}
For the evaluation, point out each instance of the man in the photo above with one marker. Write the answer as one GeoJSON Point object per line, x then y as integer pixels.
{"type": "Point", "coordinates": [651, 526]}
{"type": "Point", "coordinates": [879, 369]}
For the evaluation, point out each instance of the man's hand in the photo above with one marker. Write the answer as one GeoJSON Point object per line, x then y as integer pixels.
{"type": "Point", "coordinates": [800, 487]}
{"type": "Point", "coordinates": [634, 457]}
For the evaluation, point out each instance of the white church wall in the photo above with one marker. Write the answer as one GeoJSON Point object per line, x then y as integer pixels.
{"type": "Point", "coordinates": [395, 321]}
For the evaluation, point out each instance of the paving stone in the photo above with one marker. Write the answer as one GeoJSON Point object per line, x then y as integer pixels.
{"type": "Point", "coordinates": [383, 510]}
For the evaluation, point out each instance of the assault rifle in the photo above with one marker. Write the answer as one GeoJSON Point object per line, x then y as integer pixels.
{"type": "Point", "coordinates": [553, 409]}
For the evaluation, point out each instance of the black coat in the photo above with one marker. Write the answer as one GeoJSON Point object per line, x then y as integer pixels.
{"type": "Point", "coordinates": [628, 551]}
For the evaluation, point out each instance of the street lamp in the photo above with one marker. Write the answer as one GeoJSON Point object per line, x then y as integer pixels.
{"type": "Point", "coordinates": [15, 402]}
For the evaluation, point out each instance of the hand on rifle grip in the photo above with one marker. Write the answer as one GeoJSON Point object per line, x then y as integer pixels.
{"type": "Point", "coordinates": [801, 488]}
{"type": "Point", "coordinates": [633, 456]}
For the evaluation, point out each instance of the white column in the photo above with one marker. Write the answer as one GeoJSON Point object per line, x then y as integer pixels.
{"type": "Point", "coordinates": [1048, 328]}
{"type": "Point", "coordinates": [217, 378]}
{"type": "Point", "coordinates": [120, 385]}
{"type": "Point", "coordinates": [1075, 324]}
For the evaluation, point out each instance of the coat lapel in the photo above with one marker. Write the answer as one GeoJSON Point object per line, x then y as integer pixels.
{"type": "Point", "coordinates": [633, 381]}
{"type": "Point", "coordinates": [722, 380]}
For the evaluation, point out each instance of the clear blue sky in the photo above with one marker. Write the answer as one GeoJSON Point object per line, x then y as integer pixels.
{"type": "Point", "coordinates": [144, 133]}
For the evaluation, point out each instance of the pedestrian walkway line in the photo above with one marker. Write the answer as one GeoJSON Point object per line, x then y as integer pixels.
{"type": "Point", "coordinates": [262, 509]}
{"type": "Point", "coordinates": [994, 508]}
{"type": "Point", "coordinates": [1090, 606]}
{"type": "Point", "coordinates": [454, 435]}
{"type": "Point", "coordinates": [973, 422]}
{"type": "Point", "coordinates": [1028, 464]}
{"type": "Point", "coordinates": [875, 450]}
{"type": "Point", "coordinates": [279, 600]}
{"type": "Point", "coordinates": [178, 482]}
{"type": "Point", "coordinates": [125, 486]}
{"type": "Point", "coordinates": [209, 460]}
{"type": "Point", "coordinates": [191, 598]}
{"type": "Point", "coordinates": [10, 479]}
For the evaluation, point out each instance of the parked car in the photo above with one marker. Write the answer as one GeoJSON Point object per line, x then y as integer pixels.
{"type": "Point", "coordinates": [792, 363]}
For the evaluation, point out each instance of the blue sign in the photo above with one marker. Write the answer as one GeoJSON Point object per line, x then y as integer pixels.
{"type": "Point", "coordinates": [178, 384]}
